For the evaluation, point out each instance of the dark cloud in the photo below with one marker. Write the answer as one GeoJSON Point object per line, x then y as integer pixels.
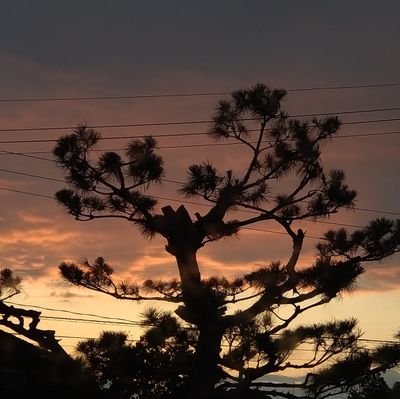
{"type": "Point", "coordinates": [136, 42]}
{"type": "Point", "coordinates": [381, 277]}
{"type": "Point", "coordinates": [68, 295]}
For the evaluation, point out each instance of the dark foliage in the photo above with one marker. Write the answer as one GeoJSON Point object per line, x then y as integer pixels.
{"type": "Point", "coordinates": [155, 367]}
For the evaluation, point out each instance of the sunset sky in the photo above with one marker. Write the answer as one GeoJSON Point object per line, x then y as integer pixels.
{"type": "Point", "coordinates": [92, 48]}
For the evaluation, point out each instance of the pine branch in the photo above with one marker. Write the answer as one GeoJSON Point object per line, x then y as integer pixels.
{"type": "Point", "coordinates": [97, 277]}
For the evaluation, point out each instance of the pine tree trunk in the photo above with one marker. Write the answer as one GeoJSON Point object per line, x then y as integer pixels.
{"type": "Point", "coordinates": [201, 311]}
{"type": "Point", "coordinates": [205, 373]}
{"type": "Point", "coordinates": [190, 276]}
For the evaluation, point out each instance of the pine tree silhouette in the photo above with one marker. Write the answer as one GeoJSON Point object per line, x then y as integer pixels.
{"type": "Point", "coordinates": [284, 182]}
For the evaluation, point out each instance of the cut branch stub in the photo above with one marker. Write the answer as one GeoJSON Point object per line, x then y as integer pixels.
{"type": "Point", "coordinates": [45, 338]}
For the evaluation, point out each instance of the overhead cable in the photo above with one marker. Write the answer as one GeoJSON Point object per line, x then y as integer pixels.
{"type": "Point", "coordinates": [192, 94]}
{"type": "Point", "coordinates": [196, 122]}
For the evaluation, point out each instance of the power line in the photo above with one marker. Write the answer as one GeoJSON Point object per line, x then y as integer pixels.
{"type": "Point", "coordinates": [168, 147]}
{"type": "Point", "coordinates": [192, 94]}
{"type": "Point", "coordinates": [379, 341]}
{"type": "Point", "coordinates": [254, 212]}
{"type": "Point", "coordinates": [71, 312]}
{"type": "Point", "coordinates": [75, 337]}
{"type": "Point", "coordinates": [296, 349]}
{"type": "Point", "coordinates": [109, 320]}
{"type": "Point", "coordinates": [166, 198]}
{"type": "Point", "coordinates": [171, 199]}
{"type": "Point", "coordinates": [5, 152]}
{"type": "Point", "coordinates": [26, 193]}
{"type": "Point", "coordinates": [28, 154]}
{"type": "Point", "coordinates": [343, 87]}
{"type": "Point", "coordinates": [227, 345]}
{"type": "Point", "coordinates": [222, 345]}
{"type": "Point", "coordinates": [348, 112]}
{"type": "Point", "coordinates": [207, 205]}
{"type": "Point", "coordinates": [355, 208]}
{"type": "Point", "coordinates": [32, 175]}
{"type": "Point", "coordinates": [106, 98]}
{"type": "Point", "coordinates": [198, 122]}
{"type": "Point", "coordinates": [81, 320]}
{"type": "Point", "coordinates": [244, 228]}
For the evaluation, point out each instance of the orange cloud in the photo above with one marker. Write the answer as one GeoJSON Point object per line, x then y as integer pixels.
{"type": "Point", "coordinates": [42, 236]}
{"type": "Point", "coordinates": [31, 218]}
